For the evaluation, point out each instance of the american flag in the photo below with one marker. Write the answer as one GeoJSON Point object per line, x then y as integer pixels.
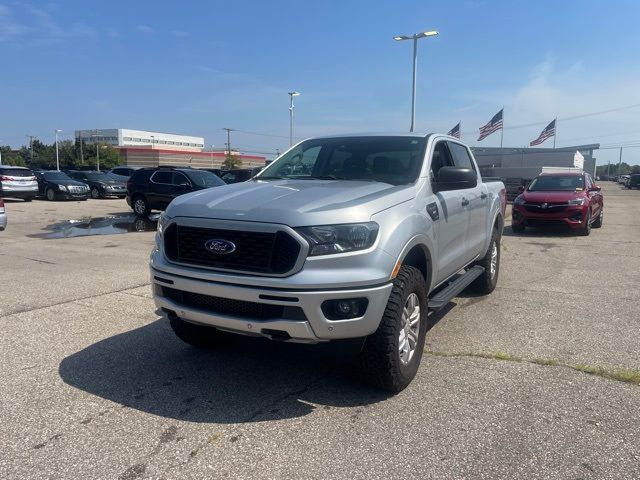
{"type": "Point", "coordinates": [494, 125]}
{"type": "Point", "coordinates": [548, 132]}
{"type": "Point", "coordinates": [455, 131]}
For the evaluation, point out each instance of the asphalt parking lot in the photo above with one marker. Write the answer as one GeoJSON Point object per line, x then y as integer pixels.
{"type": "Point", "coordinates": [93, 384]}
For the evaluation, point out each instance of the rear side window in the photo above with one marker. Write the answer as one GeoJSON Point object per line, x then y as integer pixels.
{"type": "Point", "coordinates": [162, 177]}
{"type": "Point", "coordinates": [461, 156]}
{"type": "Point", "coordinates": [16, 172]}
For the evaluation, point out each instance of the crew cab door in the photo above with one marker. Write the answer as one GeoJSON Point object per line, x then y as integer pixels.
{"type": "Point", "coordinates": [478, 202]}
{"type": "Point", "coordinates": [453, 219]}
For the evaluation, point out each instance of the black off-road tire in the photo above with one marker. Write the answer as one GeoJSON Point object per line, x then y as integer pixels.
{"type": "Point", "coordinates": [486, 283]}
{"type": "Point", "coordinates": [379, 363]}
{"type": "Point", "coordinates": [140, 206]}
{"type": "Point", "coordinates": [198, 336]}
{"type": "Point", "coordinates": [598, 222]}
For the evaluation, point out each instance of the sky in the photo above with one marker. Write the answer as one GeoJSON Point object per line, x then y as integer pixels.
{"type": "Point", "coordinates": [196, 67]}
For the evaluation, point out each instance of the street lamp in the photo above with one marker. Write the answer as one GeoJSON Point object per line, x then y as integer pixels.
{"type": "Point", "coordinates": [291, 107]}
{"type": "Point", "coordinates": [57, 156]}
{"type": "Point", "coordinates": [415, 38]}
{"type": "Point", "coordinates": [97, 149]}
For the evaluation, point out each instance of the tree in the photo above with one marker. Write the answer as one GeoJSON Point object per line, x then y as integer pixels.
{"type": "Point", "coordinates": [109, 156]}
{"type": "Point", "coordinates": [11, 158]}
{"type": "Point", "coordinates": [232, 160]}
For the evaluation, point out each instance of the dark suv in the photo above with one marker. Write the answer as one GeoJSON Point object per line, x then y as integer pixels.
{"type": "Point", "coordinates": [154, 188]}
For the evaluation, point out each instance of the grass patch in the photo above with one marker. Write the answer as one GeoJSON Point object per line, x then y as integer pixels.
{"type": "Point", "coordinates": [499, 355]}
{"type": "Point", "coordinates": [546, 361]}
{"type": "Point", "coordinates": [625, 375]}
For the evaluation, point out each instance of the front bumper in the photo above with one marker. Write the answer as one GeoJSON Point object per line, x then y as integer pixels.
{"type": "Point", "coordinates": [572, 216]}
{"type": "Point", "coordinates": [313, 327]}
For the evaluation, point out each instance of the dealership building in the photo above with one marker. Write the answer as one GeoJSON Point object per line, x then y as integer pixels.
{"type": "Point", "coordinates": [151, 149]}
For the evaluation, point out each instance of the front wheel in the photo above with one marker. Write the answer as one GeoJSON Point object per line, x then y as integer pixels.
{"type": "Point", "coordinates": [598, 222]}
{"type": "Point", "coordinates": [586, 230]}
{"type": "Point", "coordinates": [390, 357]}
{"type": "Point", "coordinates": [51, 195]}
{"type": "Point", "coordinates": [486, 283]}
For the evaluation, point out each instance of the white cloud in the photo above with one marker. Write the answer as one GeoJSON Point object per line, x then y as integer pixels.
{"type": "Point", "coordinates": [9, 26]}
{"type": "Point", "coordinates": [145, 29]}
{"type": "Point", "coordinates": [179, 33]}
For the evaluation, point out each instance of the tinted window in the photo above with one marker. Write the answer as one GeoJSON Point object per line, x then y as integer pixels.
{"type": "Point", "coordinates": [563, 183]}
{"type": "Point", "coordinates": [204, 179]}
{"type": "Point", "coordinates": [394, 160]}
{"type": "Point", "coordinates": [99, 177]}
{"type": "Point", "coordinates": [55, 176]}
{"type": "Point", "coordinates": [162, 176]}
{"type": "Point", "coordinates": [180, 179]}
{"type": "Point", "coordinates": [460, 155]}
{"type": "Point", "coordinates": [16, 172]}
{"type": "Point", "coordinates": [440, 158]}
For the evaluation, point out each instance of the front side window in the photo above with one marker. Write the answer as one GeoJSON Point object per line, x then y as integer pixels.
{"type": "Point", "coordinates": [441, 158]}
{"type": "Point", "coordinates": [393, 160]}
{"type": "Point", "coordinates": [461, 157]}
{"type": "Point", "coordinates": [162, 177]}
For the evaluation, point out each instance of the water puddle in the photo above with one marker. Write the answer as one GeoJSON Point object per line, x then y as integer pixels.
{"type": "Point", "coordinates": [88, 226]}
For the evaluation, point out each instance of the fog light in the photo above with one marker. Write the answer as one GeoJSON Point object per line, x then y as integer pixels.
{"type": "Point", "coordinates": [344, 308]}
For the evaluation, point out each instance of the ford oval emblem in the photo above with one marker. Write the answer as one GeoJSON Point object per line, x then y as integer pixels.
{"type": "Point", "coordinates": [219, 246]}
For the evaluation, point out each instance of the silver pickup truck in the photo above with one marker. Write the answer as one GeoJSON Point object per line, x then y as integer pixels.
{"type": "Point", "coordinates": [345, 237]}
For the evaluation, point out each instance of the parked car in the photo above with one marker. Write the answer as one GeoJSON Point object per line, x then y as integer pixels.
{"type": "Point", "coordinates": [570, 199]}
{"type": "Point", "coordinates": [55, 185]}
{"type": "Point", "coordinates": [118, 178]}
{"type": "Point", "coordinates": [356, 242]}
{"type": "Point", "coordinates": [634, 181]}
{"type": "Point", "coordinates": [154, 188]}
{"type": "Point", "coordinates": [124, 171]}
{"type": "Point", "coordinates": [3, 216]}
{"type": "Point", "coordinates": [17, 182]}
{"type": "Point", "coordinates": [100, 184]}
{"type": "Point", "coordinates": [622, 179]}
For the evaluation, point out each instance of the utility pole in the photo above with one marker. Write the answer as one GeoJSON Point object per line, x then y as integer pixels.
{"type": "Point", "coordinates": [97, 149]}
{"type": "Point", "coordinates": [619, 163]}
{"type": "Point", "coordinates": [57, 155]}
{"type": "Point", "coordinates": [81, 154]}
{"type": "Point", "coordinates": [229, 130]}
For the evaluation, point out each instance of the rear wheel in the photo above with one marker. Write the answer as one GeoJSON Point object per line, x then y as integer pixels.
{"type": "Point", "coordinates": [95, 193]}
{"type": "Point", "coordinates": [486, 283]}
{"type": "Point", "coordinates": [598, 222]}
{"type": "Point", "coordinates": [198, 336]}
{"type": "Point", "coordinates": [391, 356]}
{"type": "Point", "coordinates": [51, 195]}
{"type": "Point", "coordinates": [141, 206]}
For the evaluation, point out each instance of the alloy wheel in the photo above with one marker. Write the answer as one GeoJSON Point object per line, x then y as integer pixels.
{"type": "Point", "coordinates": [410, 328]}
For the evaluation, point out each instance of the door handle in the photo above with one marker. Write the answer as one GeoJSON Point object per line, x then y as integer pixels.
{"type": "Point", "coordinates": [465, 202]}
{"type": "Point", "coordinates": [483, 196]}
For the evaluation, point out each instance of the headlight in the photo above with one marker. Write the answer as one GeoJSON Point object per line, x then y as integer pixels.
{"type": "Point", "coordinates": [329, 239]}
{"type": "Point", "coordinates": [519, 200]}
{"type": "Point", "coordinates": [577, 201]}
{"type": "Point", "coordinates": [163, 221]}
{"type": "Point", "coordinates": [62, 188]}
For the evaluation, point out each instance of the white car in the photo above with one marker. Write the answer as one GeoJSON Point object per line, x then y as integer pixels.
{"type": "Point", "coordinates": [17, 182]}
{"type": "Point", "coordinates": [3, 216]}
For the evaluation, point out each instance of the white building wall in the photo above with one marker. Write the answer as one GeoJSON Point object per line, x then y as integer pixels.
{"type": "Point", "coordinates": [124, 137]}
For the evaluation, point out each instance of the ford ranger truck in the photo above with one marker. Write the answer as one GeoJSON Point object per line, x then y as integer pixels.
{"type": "Point", "coordinates": [344, 237]}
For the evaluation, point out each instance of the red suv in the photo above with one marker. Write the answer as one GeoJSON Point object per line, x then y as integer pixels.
{"type": "Point", "coordinates": [570, 199]}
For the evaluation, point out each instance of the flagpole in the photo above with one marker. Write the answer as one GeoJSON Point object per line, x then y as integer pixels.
{"type": "Point", "coordinates": [555, 131]}
{"type": "Point", "coordinates": [460, 129]}
{"type": "Point", "coordinates": [502, 129]}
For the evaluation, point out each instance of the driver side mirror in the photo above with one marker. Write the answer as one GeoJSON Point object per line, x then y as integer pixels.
{"type": "Point", "coordinates": [454, 178]}
{"type": "Point", "coordinates": [595, 188]}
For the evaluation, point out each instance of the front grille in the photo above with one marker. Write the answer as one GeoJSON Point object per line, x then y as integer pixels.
{"type": "Point", "coordinates": [77, 189]}
{"type": "Point", "coordinates": [233, 308]}
{"type": "Point", "coordinates": [549, 208]}
{"type": "Point", "coordinates": [259, 252]}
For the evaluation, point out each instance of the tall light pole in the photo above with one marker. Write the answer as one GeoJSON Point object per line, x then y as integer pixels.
{"type": "Point", "coordinates": [153, 137]}
{"type": "Point", "coordinates": [95, 136]}
{"type": "Point", "coordinates": [291, 107]}
{"type": "Point", "coordinates": [415, 37]}
{"type": "Point", "coordinates": [57, 131]}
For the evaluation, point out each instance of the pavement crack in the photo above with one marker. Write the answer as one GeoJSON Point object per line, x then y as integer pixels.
{"type": "Point", "coordinates": [619, 374]}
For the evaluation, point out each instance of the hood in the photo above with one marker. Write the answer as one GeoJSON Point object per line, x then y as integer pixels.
{"type": "Point", "coordinates": [292, 202]}
{"type": "Point", "coordinates": [552, 196]}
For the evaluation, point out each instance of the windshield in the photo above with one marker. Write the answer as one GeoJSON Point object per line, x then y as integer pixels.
{"type": "Point", "coordinates": [55, 176]}
{"type": "Point", "coordinates": [99, 177]}
{"type": "Point", "coordinates": [393, 160]}
{"type": "Point", "coordinates": [561, 183]}
{"type": "Point", "coordinates": [204, 179]}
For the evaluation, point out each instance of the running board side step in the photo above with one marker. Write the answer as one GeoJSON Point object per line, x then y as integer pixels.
{"type": "Point", "coordinates": [444, 296]}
